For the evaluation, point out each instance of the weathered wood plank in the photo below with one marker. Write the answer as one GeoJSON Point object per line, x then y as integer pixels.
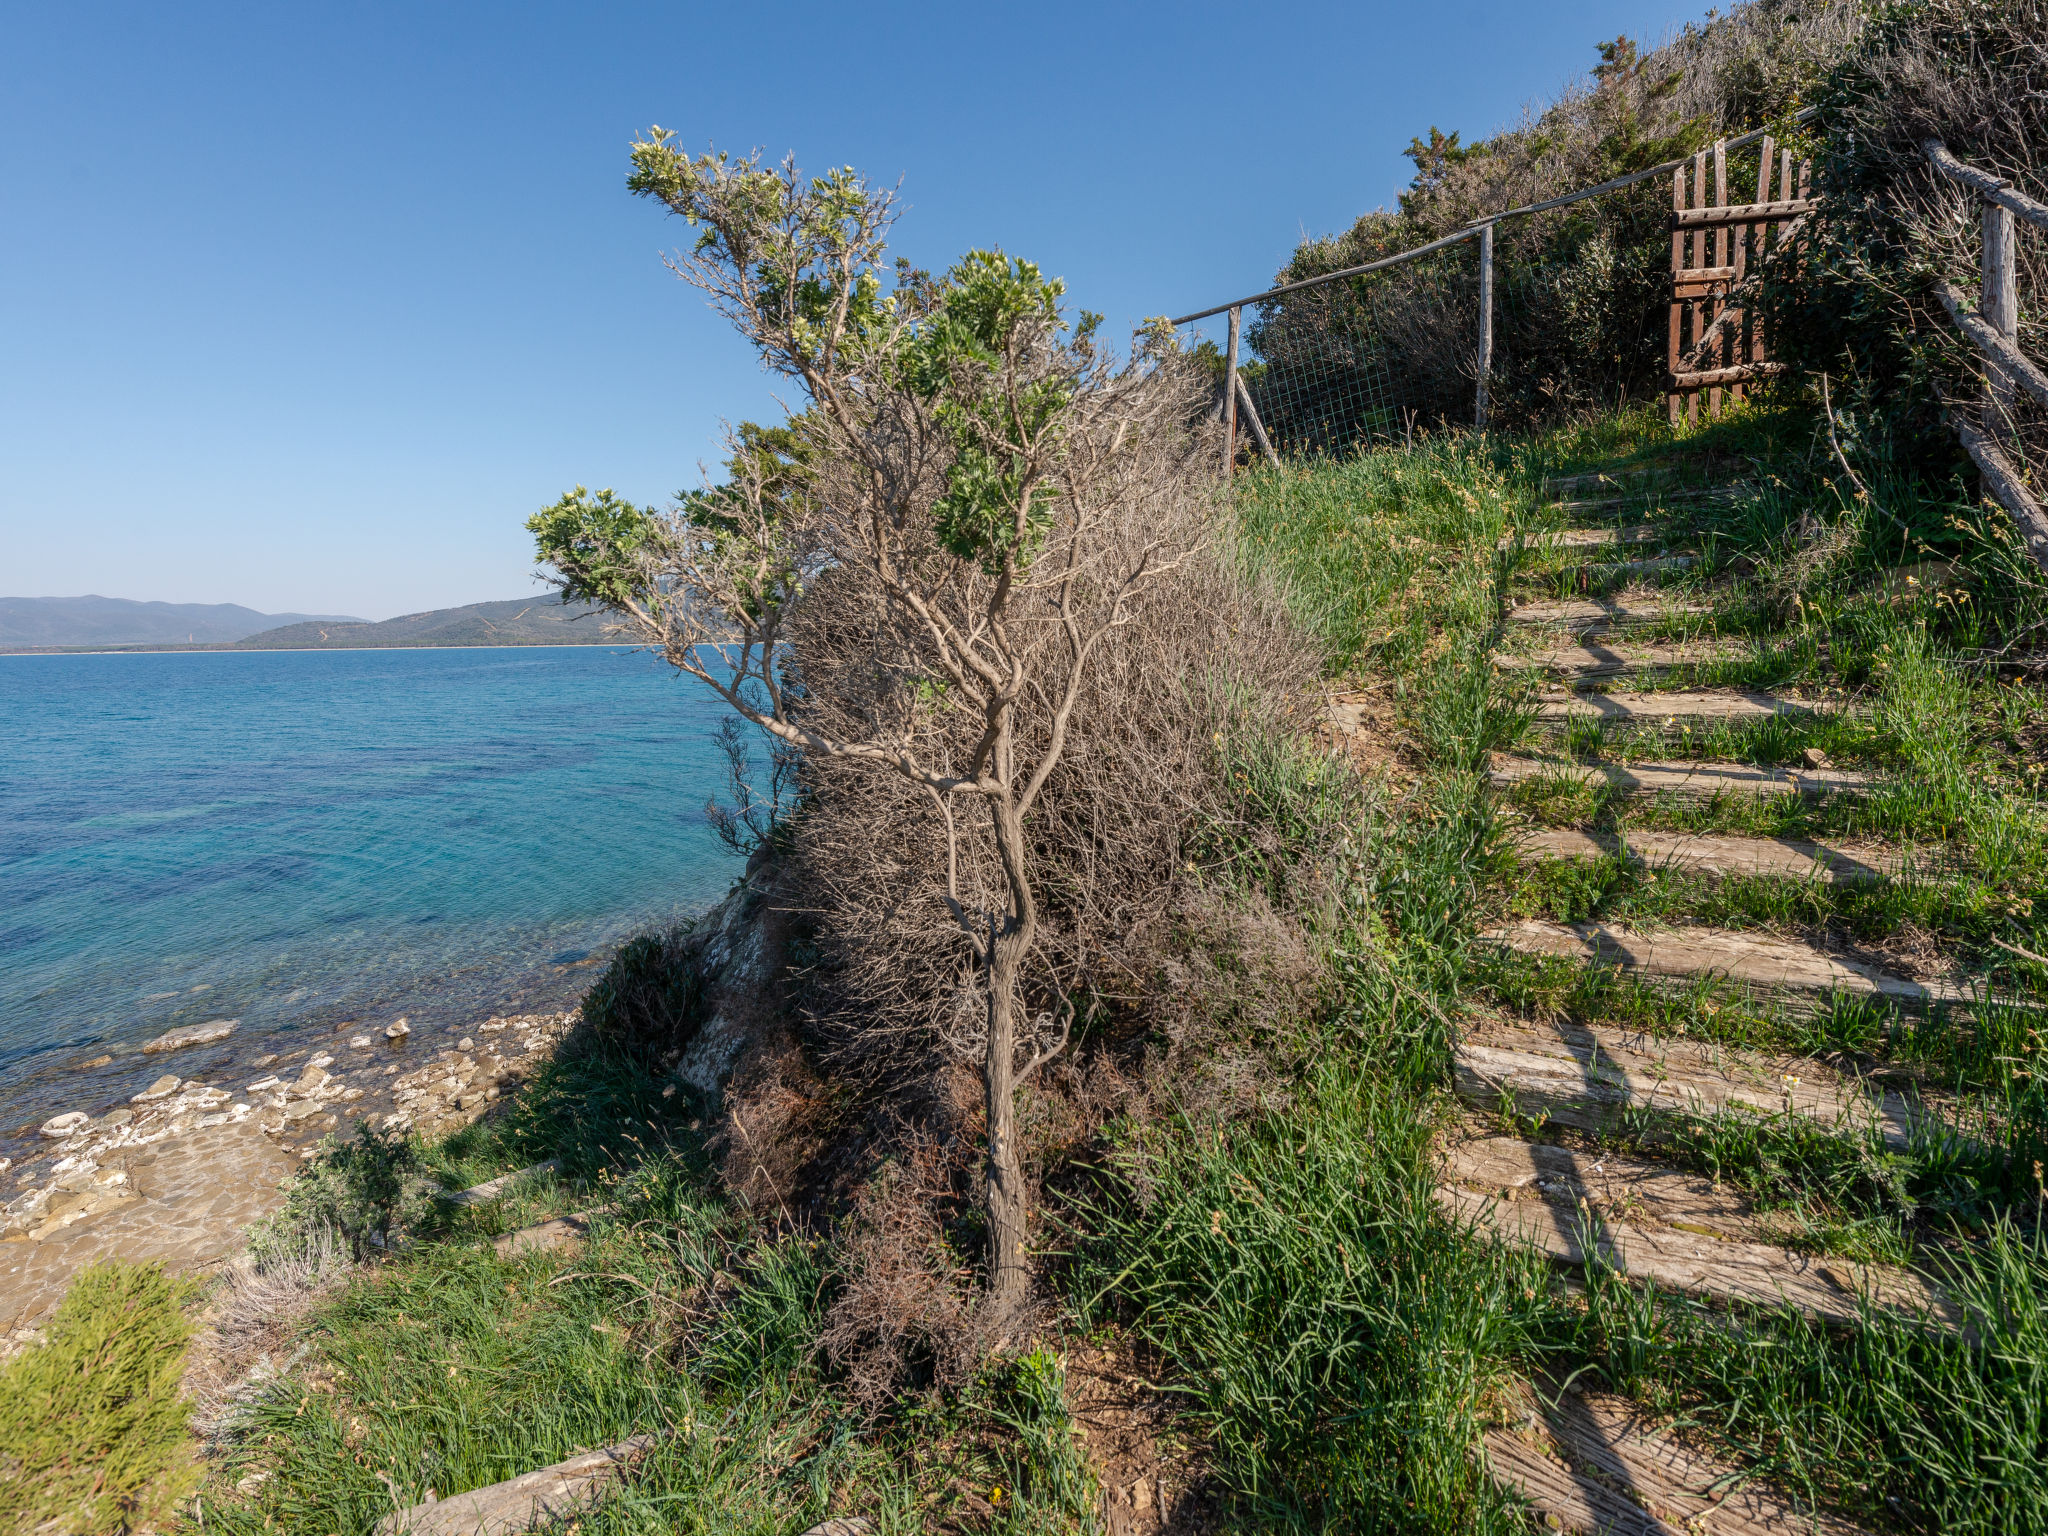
{"type": "Point", "coordinates": [1625, 708]}
{"type": "Point", "coordinates": [552, 1493]}
{"type": "Point", "coordinates": [1740, 213]}
{"type": "Point", "coordinates": [1707, 854]}
{"type": "Point", "coordinates": [1752, 960]}
{"type": "Point", "coordinates": [1615, 1472]}
{"type": "Point", "coordinates": [496, 1189]}
{"type": "Point", "coordinates": [1588, 538]}
{"type": "Point", "coordinates": [1629, 570]}
{"type": "Point", "coordinates": [1597, 658]}
{"type": "Point", "coordinates": [1593, 1078]}
{"type": "Point", "coordinates": [1580, 615]}
{"type": "Point", "coordinates": [1699, 780]}
{"type": "Point", "coordinates": [1695, 1264]}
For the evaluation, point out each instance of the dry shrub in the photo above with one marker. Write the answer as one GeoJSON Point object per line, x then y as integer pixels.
{"type": "Point", "coordinates": [1128, 841]}
{"type": "Point", "coordinates": [244, 1345]}
{"type": "Point", "coordinates": [907, 1311]}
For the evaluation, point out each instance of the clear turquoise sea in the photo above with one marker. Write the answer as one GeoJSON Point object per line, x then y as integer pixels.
{"type": "Point", "coordinates": [299, 839]}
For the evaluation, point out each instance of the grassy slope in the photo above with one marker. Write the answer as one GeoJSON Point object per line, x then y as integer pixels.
{"type": "Point", "coordinates": [1337, 1344]}
{"type": "Point", "coordinates": [1338, 1340]}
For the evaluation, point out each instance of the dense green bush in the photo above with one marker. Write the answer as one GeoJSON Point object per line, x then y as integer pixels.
{"type": "Point", "coordinates": [649, 998]}
{"type": "Point", "coordinates": [356, 1192]}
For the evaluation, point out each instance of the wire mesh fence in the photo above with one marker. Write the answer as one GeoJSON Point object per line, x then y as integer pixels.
{"type": "Point", "coordinates": [1327, 370]}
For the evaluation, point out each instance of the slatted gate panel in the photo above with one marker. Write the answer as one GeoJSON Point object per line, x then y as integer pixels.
{"type": "Point", "coordinates": [1717, 345]}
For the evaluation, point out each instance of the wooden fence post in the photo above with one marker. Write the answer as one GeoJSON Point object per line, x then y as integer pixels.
{"type": "Point", "coordinates": [2000, 307]}
{"type": "Point", "coordinates": [1677, 399]}
{"type": "Point", "coordinates": [1230, 402]}
{"type": "Point", "coordinates": [1485, 323]}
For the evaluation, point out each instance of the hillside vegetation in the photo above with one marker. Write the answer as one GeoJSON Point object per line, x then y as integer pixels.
{"type": "Point", "coordinates": [1514, 1003]}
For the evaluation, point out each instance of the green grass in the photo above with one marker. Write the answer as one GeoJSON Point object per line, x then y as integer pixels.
{"type": "Point", "coordinates": [93, 1434]}
{"type": "Point", "coordinates": [447, 1368]}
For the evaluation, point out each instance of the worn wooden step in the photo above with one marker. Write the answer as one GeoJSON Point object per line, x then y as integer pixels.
{"type": "Point", "coordinates": [1606, 572]}
{"type": "Point", "coordinates": [1573, 1233]}
{"type": "Point", "coordinates": [1696, 780]}
{"type": "Point", "coordinates": [546, 1236]}
{"type": "Point", "coordinates": [1778, 858]}
{"type": "Point", "coordinates": [1598, 658]}
{"type": "Point", "coordinates": [1623, 475]}
{"type": "Point", "coordinates": [1624, 708]}
{"type": "Point", "coordinates": [1595, 1464]}
{"type": "Point", "coordinates": [1799, 971]}
{"type": "Point", "coordinates": [1598, 1079]}
{"type": "Point", "coordinates": [498, 1188]}
{"type": "Point", "coordinates": [1581, 615]}
{"type": "Point", "coordinates": [1637, 498]}
{"type": "Point", "coordinates": [1612, 1184]}
{"type": "Point", "coordinates": [552, 1497]}
{"type": "Point", "coordinates": [1590, 538]}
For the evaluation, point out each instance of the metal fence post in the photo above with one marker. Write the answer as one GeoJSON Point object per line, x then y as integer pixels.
{"type": "Point", "coordinates": [2000, 304]}
{"type": "Point", "coordinates": [1230, 402]}
{"type": "Point", "coordinates": [1485, 321]}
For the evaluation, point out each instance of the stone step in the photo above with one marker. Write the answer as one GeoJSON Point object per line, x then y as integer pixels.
{"type": "Point", "coordinates": [1580, 615]}
{"type": "Point", "coordinates": [1696, 780]}
{"type": "Point", "coordinates": [1598, 1079]}
{"type": "Point", "coordinates": [1798, 971]}
{"type": "Point", "coordinates": [1777, 858]}
{"type": "Point", "coordinates": [1692, 1261]}
{"type": "Point", "coordinates": [1597, 658]}
{"type": "Point", "coordinates": [551, 1496]}
{"type": "Point", "coordinates": [1656, 708]}
{"type": "Point", "coordinates": [1594, 1463]}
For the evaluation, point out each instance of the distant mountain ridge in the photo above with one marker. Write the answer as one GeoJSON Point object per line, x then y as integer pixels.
{"type": "Point", "coordinates": [521, 621]}
{"type": "Point", "coordinates": [95, 620]}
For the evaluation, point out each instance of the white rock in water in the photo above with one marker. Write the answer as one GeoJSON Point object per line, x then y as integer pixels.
{"type": "Point", "coordinates": [263, 1083]}
{"type": "Point", "coordinates": [465, 1044]}
{"type": "Point", "coordinates": [322, 1060]}
{"type": "Point", "coordinates": [162, 1088]}
{"type": "Point", "coordinates": [314, 1075]}
{"type": "Point", "coordinates": [193, 1034]}
{"type": "Point", "coordinates": [57, 1127]}
{"type": "Point", "coordinates": [359, 1043]}
{"type": "Point", "coordinates": [398, 1031]}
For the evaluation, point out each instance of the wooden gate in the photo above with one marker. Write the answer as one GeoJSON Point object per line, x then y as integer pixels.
{"type": "Point", "coordinates": [1716, 343]}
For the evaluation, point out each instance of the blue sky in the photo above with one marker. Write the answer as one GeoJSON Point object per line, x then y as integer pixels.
{"type": "Point", "coordinates": [307, 307]}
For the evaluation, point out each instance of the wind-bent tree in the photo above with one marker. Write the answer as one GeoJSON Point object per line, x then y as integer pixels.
{"type": "Point", "coordinates": [914, 572]}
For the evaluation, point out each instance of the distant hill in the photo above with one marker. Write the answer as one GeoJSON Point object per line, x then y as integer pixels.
{"type": "Point", "coordinates": [522, 621]}
{"type": "Point", "coordinates": [39, 621]}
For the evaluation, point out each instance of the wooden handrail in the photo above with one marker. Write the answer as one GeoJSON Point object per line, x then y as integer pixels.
{"type": "Point", "coordinates": [1994, 189]}
{"type": "Point", "coordinates": [2006, 486]}
{"type": "Point", "coordinates": [1992, 344]}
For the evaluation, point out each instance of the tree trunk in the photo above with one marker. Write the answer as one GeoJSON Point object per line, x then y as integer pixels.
{"type": "Point", "coordinates": [1007, 1276]}
{"type": "Point", "coordinates": [1006, 1272]}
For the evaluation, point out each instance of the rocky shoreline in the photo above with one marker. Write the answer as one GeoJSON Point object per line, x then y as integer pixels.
{"type": "Point", "coordinates": [179, 1171]}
